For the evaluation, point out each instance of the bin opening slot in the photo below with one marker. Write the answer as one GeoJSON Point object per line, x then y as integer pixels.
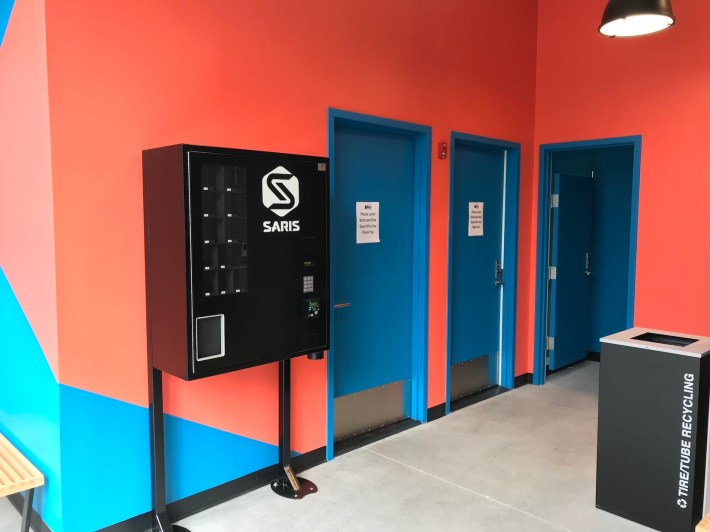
{"type": "Point", "coordinates": [665, 339]}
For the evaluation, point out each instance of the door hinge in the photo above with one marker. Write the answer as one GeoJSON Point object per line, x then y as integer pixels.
{"type": "Point", "coordinates": [550, 343]}
{"type": "Point", "coordinates": [552, 273]}
{"type": "Point", "coordinates": [554, 201]}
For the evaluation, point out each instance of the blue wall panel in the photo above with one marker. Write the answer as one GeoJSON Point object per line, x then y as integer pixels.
{"type": "Point", "coordinates": [102, 474]}
{"type": "Point", "coordinates": [105, 460]}
{"type": "Point", "coordinates": [198, 458]}
{"type": "Point", "coordinates": [29, 402]}
{"type": "Point", "coordinates": [110, 440]}
{"type": "Point", "coordinates": [5, 11]}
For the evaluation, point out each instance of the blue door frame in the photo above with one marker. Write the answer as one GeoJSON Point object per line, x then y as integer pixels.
{"type": "Point", "coordinates": [510, 253]}
{"type": "Point", "coordinates": [543, 236]}
{"type": "Point", "coordinates": [420, 257]}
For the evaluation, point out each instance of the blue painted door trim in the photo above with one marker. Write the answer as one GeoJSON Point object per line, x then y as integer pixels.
{"type": "Point", "coordinates": [510, 253]}
{"type": "Point", "coordinates": [420, 258]}
{"type": "Point", "coordinates": [543, 236]}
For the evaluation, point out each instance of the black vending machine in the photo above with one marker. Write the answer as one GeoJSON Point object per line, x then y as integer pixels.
{"type": "Point", "coordinates": [237, 275]}
{"type": "Point", "coordinates": [236, 257]}
{"type": "Point", "coordinates": [653, 428]}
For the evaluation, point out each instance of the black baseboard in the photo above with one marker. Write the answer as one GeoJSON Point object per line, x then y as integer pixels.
{"type": "Point", "coordinates": [356, 442]}
{"type": "Point", "coordinates": [439, 411]}
{"type": "Point", "coordinates": [477, 397]}
{"type": "Point", "coordinates": [36, 522]}
{"type": "Point", "coordinates": [138, 523]}
{"type": "Point", "coordinates": [593, 356]}
{"type": "Point", "coordinates": [207, 499]}
{"type": "Point", "coordinates": [549, 372]}
{"type": "Point", "coordinates": [522, 380]}
{"type": "Point", "coordinates": [436, 412]}
{"type": "Point", "coordinates": [212, 497]}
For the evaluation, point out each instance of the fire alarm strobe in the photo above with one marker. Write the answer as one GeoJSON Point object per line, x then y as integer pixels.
{"type": "Point", "coordinates": [443, 150]}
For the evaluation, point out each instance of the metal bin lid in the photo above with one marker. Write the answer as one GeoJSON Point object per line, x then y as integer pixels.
{"type": "Point", "coordinates": [690, 345]}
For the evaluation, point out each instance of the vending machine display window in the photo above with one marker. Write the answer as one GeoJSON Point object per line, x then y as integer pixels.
{"type": "Point", "coordinates": [223, 191]}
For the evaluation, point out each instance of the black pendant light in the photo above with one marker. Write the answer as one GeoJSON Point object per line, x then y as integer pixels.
{"type": "Point", "coordinates": [629, 18]}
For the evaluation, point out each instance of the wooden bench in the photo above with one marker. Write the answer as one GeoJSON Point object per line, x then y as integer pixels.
{"type": "Point", "coordinates": [18, 474]}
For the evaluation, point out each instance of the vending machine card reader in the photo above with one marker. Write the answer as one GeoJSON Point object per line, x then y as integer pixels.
{"type": "Point", "coordinates": [236, 257]}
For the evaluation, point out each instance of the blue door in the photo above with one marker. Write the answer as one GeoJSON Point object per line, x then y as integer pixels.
{"type": "Point", "coordinates": [570, 286]}
{"type": "Point", "coordinates": [477, 261]}
{"type": "Point", "coordinates": [373, 274]}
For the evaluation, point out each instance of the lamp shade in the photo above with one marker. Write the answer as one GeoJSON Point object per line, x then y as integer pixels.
{"type": "Point", "coordinates": [629, 18]}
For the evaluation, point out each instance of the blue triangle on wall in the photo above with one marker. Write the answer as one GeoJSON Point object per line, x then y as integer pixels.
{"type": "Point", "coordinates": [5, 10]}
{"type": "Point", "coordinates": [29, 400]}
{"type": "Point", "coordinates": [199, 457]}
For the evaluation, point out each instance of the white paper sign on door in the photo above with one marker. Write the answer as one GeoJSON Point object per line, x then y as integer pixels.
{"type": "Point", "coordinates": [475, 218]}
{"type": "Point", "coordinates": [367, 216]}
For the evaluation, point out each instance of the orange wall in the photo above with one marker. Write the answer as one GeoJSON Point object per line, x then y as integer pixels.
{"type": "Point", "coordinates": [255, 75]}
{"type": "Point", "coordinates": [26, 211]}
{"type": "Point", "coordinates": [657, 86]}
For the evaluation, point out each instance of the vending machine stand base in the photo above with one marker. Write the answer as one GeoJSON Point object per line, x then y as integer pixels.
{"type": "Point", "coordinates": [161, 523]}
{"type": "Point", "coordinates": [288, 484]}
{"type": "Point", "coordinates": [284, 488]}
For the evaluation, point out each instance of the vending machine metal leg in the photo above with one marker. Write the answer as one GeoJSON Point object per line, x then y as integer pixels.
{"type": "Point", "coordinates": [161, 521]}
{"type": "Point", "coordinates": [288, 484]}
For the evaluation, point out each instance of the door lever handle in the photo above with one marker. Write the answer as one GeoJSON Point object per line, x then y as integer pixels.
{"type": "Point", "coordinates": [588, 264]}
{"type": "Point", "coordinates": [341, 305]}
{"type": "Point", "coordinates": [499, 274]}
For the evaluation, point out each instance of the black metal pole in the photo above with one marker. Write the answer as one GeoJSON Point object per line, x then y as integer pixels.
{"type": "Point", "coordinates": [288, 484]}
{"type": "Point", "coordinates": [161, 521]}
{"type": "Point", "coordinates": [284, 413]}
{"type": "Point", "coordinates": [157, 443]}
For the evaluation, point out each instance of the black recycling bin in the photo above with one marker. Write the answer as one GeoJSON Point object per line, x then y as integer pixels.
{"type": "Point", "coordinates": [653, 428]}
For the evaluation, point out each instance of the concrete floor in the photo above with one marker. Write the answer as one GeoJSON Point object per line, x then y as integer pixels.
{"type": "Point", "coordinates": [523, 460]}
{"type": "Point", "coordinates": [9, 519]}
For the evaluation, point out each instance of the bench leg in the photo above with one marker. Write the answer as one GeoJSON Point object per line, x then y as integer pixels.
{"type": "Point", "coordinates": [27, 511]}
